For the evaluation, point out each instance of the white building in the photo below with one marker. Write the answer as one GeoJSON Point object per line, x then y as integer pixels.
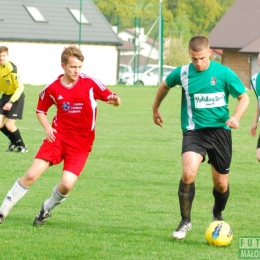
{"type": "Point", "coordinates": [145, 47]}
{"type": "Point", "coordinates": [36, 32]}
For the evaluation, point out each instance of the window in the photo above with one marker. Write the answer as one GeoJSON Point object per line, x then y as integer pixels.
{"type": "Point", "coordinates": [77, 16]}
{"type": "Point", "coordinates": [35, 14]}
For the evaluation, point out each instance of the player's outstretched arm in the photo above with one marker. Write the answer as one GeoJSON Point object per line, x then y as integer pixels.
{"type": "Point", "coordinates": [113, 100]}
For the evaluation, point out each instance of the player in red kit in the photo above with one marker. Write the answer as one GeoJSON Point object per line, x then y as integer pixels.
{"type": "Point", "coordinates": [70, 136]}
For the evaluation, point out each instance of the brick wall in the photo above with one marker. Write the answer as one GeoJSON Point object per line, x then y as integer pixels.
{"type": "Point", "coordinates": [239, 63]}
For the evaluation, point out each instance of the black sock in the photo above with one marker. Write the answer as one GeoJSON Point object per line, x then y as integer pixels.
{"type": "Point", "coordinates": [16, 136]}
{"type": "Point", "coordinates": [186, 195]}
{"type": "Point", "coordinates": [7, 133]}
{"type": "Point", "coordinates": [220, 201]}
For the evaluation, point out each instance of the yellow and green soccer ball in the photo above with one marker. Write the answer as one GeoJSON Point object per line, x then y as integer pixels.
{"type": "Point", "coordinates": [219, 233]}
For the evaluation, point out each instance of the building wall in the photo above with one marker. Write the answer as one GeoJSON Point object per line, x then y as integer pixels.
{"type": "Point", "coordinates": [254, 64]}
{"type": "Point", "coordinates": [239, 63]}
{"type": "Point", "coordinates": [40, 63]}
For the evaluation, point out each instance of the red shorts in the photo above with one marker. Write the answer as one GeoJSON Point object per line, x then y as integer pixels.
{"type": "Point", "coordinates": [56, 152]}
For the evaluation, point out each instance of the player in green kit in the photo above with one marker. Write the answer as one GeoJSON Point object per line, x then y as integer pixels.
{"type": "Point", "coordinates": [206, 124]}
{"type": "Point", "coordinates": [255, 83]}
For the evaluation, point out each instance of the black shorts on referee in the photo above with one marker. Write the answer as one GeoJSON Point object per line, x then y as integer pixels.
{"type": "Point", "coordinates": [215, 142]}
{"type": "Point", "coordinates": [16, 111]}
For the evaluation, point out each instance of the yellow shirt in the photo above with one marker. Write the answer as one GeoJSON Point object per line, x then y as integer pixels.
{"type": "Point", "coordinates": [10, 84]}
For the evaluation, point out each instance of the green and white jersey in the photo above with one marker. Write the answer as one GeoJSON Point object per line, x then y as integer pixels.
{"type": "Point", "coordinates": [205, 94]}
{"type": "Point", "coordinates": [255, 83]}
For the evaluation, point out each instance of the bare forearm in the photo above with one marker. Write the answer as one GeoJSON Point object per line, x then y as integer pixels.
{"type": "Point", "coordinates": [160, 95]}
{"type": "Point", "coordinates": [243, 102]}
{"type": "Point", "coordinates": [43, 120]}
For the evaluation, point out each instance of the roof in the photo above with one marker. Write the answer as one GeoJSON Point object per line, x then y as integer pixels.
{"type": "Point", "coordinates": [254, 46]}
{"type": "Point", "coordinates": [61, 27]}
{"type": "Point", "coordinates": [148, 39]}
{"type": "Point", "coordinates": [127, 46]}
{"type": "Point", "coordinates": [238, 28]}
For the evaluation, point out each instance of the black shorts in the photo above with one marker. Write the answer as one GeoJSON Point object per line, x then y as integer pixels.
{"type": "Point", "coordinates": [16, 111]}
{"type": "Point", "coordinates": [258, 142]}
{"type": "Point", "coordinates": [215, 142]}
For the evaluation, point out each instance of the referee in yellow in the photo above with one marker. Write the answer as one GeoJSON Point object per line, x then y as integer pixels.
{"type": "Point", "coordinates": [11, 102]}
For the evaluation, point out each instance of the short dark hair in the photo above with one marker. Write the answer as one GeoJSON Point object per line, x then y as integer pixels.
{"type": "Point", "coordinates": [199, 43]}
{"type": "Point", "coordinates": [71, 51]}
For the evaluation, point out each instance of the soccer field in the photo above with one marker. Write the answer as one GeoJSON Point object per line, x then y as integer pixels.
{"type": "Point", "coordinates": [125, 204]}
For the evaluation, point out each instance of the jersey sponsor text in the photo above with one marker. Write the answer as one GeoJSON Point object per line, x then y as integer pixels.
{"type": "Point", "coordinates": [209, 100]}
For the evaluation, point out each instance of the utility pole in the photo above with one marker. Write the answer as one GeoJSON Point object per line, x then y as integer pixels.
{"type": "Point", "coordinates": [80, 12]}
{"type": "Point", "coordinates": [160, 58]}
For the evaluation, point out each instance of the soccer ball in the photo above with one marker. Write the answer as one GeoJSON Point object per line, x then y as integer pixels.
{"type": "Point", "coordinates": [219, 233]}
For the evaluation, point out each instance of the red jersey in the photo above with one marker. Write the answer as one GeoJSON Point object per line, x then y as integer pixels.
{"type": "Point", "coordinates": [76, 109]}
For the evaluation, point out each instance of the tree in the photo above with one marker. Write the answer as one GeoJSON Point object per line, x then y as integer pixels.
{"type": "Point", "coordinates": [176, 54]}
{"type": "Point", "coordinates": [202, 14]}
{"type": "Point", "coordinates": [181, 29]}
{"type": "Point", "coordinates": [225, 4]}
{"type": "Point", "coordinates": [123, 14]}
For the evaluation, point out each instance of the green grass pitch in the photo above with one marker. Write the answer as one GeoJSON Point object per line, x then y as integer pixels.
{"type": "Point", "coordinates": [125, 204]}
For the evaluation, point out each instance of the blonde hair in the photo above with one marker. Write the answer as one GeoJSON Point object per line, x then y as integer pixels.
{"type": "Point", "coordinates": [71, 51]}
